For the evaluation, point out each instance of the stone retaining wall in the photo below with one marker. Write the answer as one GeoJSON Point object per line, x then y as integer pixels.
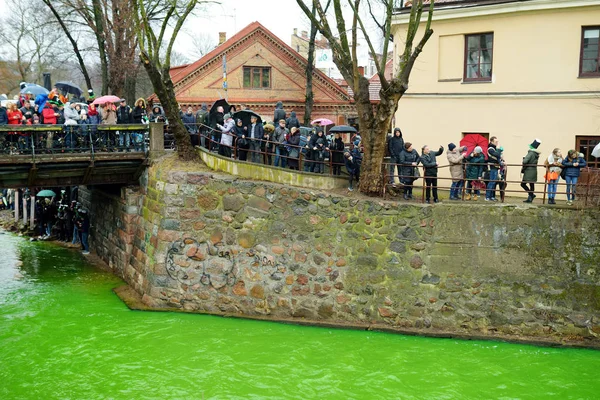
{"type": "Point", "coordinates": [217, 244]}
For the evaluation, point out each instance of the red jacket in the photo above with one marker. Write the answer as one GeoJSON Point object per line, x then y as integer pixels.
{"type": "Point", "coordinates": [15, 117]}
{"type": "Point", "coordinates": [49, 117]}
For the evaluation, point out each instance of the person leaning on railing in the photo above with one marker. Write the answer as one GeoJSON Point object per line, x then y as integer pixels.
{"type": "Point", "coordinates": [353, 163]}
{"type": "Point", "coordinates": [572, 165]}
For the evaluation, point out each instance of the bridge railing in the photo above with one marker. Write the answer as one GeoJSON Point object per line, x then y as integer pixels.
{"type": "Point", "coordinates": [60, 139]}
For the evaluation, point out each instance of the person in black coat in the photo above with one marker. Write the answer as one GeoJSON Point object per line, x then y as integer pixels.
{"type": "Point", "coordinates": [431, 169]}
{"type": "Point", "coordinates": [313, 152]}
{"type": "Point", "coordinates": [279, 112]}
{"type": "Point", "coordinates": [241, 143]}
{"type": "Point", "coordinates": [293, 148]}
{"type": "Point", "coordinates": [409, 173]}
{"type": "Point", "coordinates": [353, 162]}
{"type": "Point", "coordinates": [395, 147]}
{"type": "Point", "coordinates": [292, 121]}
{"type": "Point", "coordinates": [337, 153]}
{"type": "Point", "coordinates": [255, 134]}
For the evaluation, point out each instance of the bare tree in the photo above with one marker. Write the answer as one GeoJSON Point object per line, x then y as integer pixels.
{"type": "Point", "coordinates": [155, 54]}
{"type": "Point", "coordinates": [374, 120]}
{"type": "Point", "coordinates": [202, 44]}
{"type": "Point", "coordinates": [60, 20]}
{"type": "Point", "coordinates": [27, 41]}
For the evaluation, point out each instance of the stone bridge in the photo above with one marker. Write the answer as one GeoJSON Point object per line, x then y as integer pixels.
{"type": "Point", "coordinates": [45, 158]}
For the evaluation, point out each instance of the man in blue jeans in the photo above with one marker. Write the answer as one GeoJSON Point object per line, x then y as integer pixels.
{"type": "Point", "coordinates": [494, 160]}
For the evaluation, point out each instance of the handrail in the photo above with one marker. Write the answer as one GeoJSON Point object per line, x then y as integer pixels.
{"type": "Point", "coordinates": [34, 140]}
{"type": "Point", "coordinates": [386, 176]}
{"type": "Point", "coordinates": [266, 154]}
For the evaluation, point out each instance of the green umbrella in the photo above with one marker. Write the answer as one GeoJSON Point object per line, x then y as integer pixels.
{"type": "Point", "coordinates": [46, 193]}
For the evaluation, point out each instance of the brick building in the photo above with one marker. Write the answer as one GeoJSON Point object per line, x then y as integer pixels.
{"type": "Point", "coordinates": [261, 70]}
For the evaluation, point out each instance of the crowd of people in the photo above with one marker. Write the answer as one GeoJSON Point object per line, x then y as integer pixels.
{"type": "Point", "coordinates": [481, 172]}
{"type": "Point", "coordinates": [79, 118]}
{"type": "Point", "coordinates": [59, 217]}
{"type": "Point", "coordinates": [280, 144]}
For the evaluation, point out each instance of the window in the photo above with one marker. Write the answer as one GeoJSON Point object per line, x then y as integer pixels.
{"type": "Point", "coordinates": [590, 51]}
{"type": "Point", "coordinates": [257, 77]}
{"type": "Point", "coordinates": [478, 57]}
{"type": "Point", "coordinates": [585, 145]}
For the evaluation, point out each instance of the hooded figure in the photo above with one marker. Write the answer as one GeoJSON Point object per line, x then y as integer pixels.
{"type": "Point", "coordinates": [529, 170]}
{"type": "Point", "coordinates": [292, 121]}
{"type": "Point", "coordinates": [279, 112]}
{"type": "Point", "coordinates": [139, 111]}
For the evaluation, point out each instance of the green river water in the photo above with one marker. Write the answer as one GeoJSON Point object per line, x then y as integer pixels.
{"type": "Point", "coordinates": [65, 335]}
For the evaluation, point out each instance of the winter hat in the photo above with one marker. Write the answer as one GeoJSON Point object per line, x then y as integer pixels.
{"type": "Point", "coordinates": [91, 93]}
{"type": "Point", "coordinates": [536, 143]}
{"type": "Point", "coordinates": [451, 146]}
{"type": "Point", "coordinates": [227, 116]}
{"type": "Point", "coordinates": [478, 150]}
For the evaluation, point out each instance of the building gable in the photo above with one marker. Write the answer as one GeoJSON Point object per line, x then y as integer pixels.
{"type": "Point", "coordinates": [256, 47]}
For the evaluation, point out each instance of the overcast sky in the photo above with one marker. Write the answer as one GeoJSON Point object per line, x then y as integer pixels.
{"type": "Point", "coordinates": [231, 16]}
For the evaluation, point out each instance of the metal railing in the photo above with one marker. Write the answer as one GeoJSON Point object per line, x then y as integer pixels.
{"type": "Point", "coordinates": [586, 191]}
{"type": "Point", "coordinates": [272, 153]}
{"type": "Point", "coordinates": [63, 139]}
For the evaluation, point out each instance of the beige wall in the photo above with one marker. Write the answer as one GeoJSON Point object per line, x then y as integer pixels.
{"type": "Point", "coordinates": [516, 122]}
{"type": "Point", "coordinates": [534, 52]}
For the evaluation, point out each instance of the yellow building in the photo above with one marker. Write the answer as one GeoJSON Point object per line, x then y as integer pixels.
{"type": "Point", "coordinates": [517, 70]}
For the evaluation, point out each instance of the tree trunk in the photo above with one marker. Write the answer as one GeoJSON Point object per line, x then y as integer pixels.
{"type": "Point", "coordinates": [373, 131]}
{"type": "Point", "coordinates": [98, 19]}
{"type": "Point", "coordinates": [130, 86]}
{"type": "Point", "coordinates": [308, 105]}
{"type": "Point", "coordinates": [166, 94]}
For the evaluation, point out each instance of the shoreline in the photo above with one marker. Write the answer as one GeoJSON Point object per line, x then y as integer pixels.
{"type": "Point", "coordinates": [133, 300]}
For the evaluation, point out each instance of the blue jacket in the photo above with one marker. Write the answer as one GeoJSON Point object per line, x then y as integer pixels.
{"type": "Point", "coordinates": [572, 171]}
{"type": "Point", "coordinates": [189, 120]}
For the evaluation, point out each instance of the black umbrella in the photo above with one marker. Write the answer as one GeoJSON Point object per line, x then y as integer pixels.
{"type": "Point", "coordinates": [245, 116]}
{"type": "Point", "coordinates": [69, 87]}
{"type": "Point", "coordinates": [342, 129]}
{"type": "Point", "coordinates": [221, 102]}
